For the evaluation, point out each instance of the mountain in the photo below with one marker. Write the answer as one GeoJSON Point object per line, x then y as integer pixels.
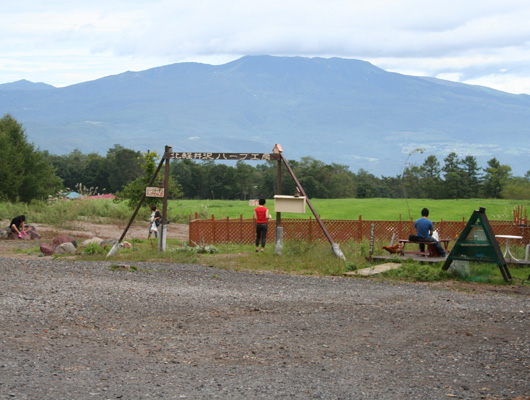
{"type": "Point", "coordinates": [335, 110]}
{"type": "Point", "coordinates": [24, 84]}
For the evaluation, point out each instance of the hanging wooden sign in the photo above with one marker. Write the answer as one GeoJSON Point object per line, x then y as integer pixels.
{"type": "Point", "coordinates": [222, 156]}
{"type": "Point", "coordinates": [154, 192]}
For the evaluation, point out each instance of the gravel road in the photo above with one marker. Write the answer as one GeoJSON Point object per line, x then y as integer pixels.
{"type": "Point", "coordinates": [77, 330]}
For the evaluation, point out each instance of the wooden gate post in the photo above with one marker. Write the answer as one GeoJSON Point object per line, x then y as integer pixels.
{"type": "Point", "coordinates": [163, 232]}
{"type": "Point", "coordinates": [278, 245]}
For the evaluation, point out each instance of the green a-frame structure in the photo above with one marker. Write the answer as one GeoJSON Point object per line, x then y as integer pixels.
{"type": "Point", "coordinates": [477, 243]}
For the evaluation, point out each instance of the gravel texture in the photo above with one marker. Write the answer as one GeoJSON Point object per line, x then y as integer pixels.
{"type": "Point", "coordinates": [77, 330]}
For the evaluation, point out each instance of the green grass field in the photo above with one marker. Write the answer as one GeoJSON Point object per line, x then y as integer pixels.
{"type": "Point", "coordinates": [106, 211]}
{"type": "Point", "coordinates": [369, 209]}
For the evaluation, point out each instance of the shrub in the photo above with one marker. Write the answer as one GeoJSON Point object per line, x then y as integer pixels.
{"type": "Point", "coordinates": [93, 248]}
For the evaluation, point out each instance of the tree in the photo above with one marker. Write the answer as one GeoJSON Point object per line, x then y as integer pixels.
{"type": "Point", "coordinates": [366, 185]}
{"type": "Point", "coordinates": [77, 168]}
{"type": "Point", "coordinates": [26, 172]}
{"type": "Point", "coordinates": [134, 191]}
{"type": "Point", "coordinates": [313, 175]}
{"type": "Point", "coordinates": [391, 187]}
{"type": "Point", "coordinates": [123, 166]}
{"type": "Point", "coordinates": [495, 179]}
{"type": "Point", "coordinates": [221, 182]}
{"type": "Point", "coordinates": [69, 167]}
{"type": "Point", "coordinates": [430, 186]}
{"type": "Point", "coordinates": [266, 179]}
{"type": "Point", "coordinates": [95, 173]}
{"type": "Point", "coordinates": [245, 180]}
{"type": "Point", "coordinates": [471, 177]}
{"type": "Point", "coordinates": [182, 172]}
{"type": "Point", "coordinates": [342, 182]}
{"type": "Point", "coordinates": [454, 177]}
{"type": "Point", "coordinates": [411, 182]}
{"type": "Point", "coordinates": [517, 188]}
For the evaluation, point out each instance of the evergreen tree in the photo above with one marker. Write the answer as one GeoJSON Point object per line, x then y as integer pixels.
{"type": "Point", "coordinates": [454, 186]}
{"type": "Point", "coordinates": [430, 178]}
{"type": "Point", "coordinates": [495, 178]}
{"type": "Point", "coordinates": [26, 173]}
{"type": "Point", "coordinates": [471, 177]}
{"type": "Point", "coordinates": [411, 182]}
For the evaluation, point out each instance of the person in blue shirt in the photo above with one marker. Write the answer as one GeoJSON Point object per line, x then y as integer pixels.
{"type": "Point", "coordinates": [424, 230]}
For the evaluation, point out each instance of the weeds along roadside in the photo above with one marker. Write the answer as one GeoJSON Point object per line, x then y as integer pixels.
{"type": "Point", "coordinates": [298, 258]}
{"type": "Point", "coordinates": [61, 213]}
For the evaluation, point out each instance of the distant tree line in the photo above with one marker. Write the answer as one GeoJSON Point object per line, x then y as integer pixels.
{"type": "Point", "coordinates": [27, 173]}
{"type": "Point", "coordinates": [108, 174]}
{"type": "Point", "coordinates": [458, 178]}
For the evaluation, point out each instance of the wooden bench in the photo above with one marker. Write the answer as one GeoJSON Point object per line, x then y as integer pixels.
{"type": "Point", "coordinates": [430, 249]}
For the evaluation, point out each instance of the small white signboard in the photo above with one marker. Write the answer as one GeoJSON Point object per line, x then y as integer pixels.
{"type": "Point", "coordinates": [290, 204]}
{"type": "Point", "coordinates": [154, 192]}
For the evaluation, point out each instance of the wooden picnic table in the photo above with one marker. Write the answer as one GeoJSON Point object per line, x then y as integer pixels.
{"type": "Point", "coordinates": [430, 250]}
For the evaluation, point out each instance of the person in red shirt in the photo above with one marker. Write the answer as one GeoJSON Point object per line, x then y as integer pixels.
{"type": "Point", "coordinates": [262, 216]}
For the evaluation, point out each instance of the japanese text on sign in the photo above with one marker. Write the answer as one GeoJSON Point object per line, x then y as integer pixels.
{"type": "Point", "coordinates": [224, 156]}
{"type": "Point", "coordinates": [154, 192]}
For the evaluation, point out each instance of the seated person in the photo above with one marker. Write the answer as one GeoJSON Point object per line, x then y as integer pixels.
{"type": "Point", "coordinates": [17, 225]}
{"type": "Point", "coordinates": [424, 229]}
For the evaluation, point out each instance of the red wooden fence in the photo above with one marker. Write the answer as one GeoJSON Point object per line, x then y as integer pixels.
{"type": "Point", "coordinates": [242, 231]}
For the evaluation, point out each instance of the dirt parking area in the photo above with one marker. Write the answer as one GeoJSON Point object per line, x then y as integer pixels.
{"type": "Point", "coordinates": [81, 330]}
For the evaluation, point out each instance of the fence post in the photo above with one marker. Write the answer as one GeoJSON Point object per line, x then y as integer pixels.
{"type": "Point", "coordinates": [310, 229]}
{"type": "Point", "coordinates": [228, 229]}
{"type": "Point", "coordinates": [400, 227]}
{"type": "Point", "coordinates": [241, 228]}
{"type": "Point", "coordinates": [213, 229]}
{"type": "Point", "coordinates": [372, 240]}
{"type": "Point", "coordinates": [360, 228]}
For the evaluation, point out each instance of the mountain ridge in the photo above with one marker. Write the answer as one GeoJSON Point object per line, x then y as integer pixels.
{"type": "Point", "coordinates": [335, 110]}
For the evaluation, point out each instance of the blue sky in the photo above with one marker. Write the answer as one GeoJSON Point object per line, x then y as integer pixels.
{"type": "Point", "coordinates": [483, 42]}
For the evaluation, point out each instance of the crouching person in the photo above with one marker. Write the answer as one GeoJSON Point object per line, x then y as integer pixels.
{"type": "Point", "coordinates": [17, 225]}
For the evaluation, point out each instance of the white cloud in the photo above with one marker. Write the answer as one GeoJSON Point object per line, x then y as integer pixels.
{"type": "Point", "coordinates": [483, 42]}
{"type": "Point", "coordinates": [363, 158]}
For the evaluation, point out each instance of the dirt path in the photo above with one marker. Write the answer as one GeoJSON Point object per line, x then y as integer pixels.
{"type": "Point", "coordinates": [88, 230]}
{"type": "Point", "coordinates": [85, 230]}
